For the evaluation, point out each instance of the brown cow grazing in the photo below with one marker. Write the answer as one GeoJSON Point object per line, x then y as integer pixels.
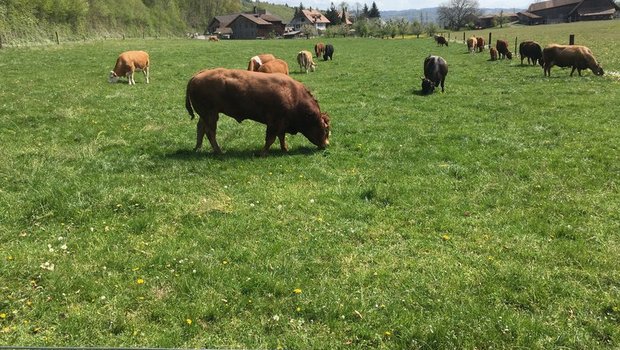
{"type": "Point", "coordinates": [471, 44]}
{"type": "Point", "coordinates": [213, 38]}
{"type": "Point", "coordinates": [258, 60]}
{"type": "Point", "coordinates": [304, 58]}
{"type": "Point", "coordinates": [127, 63]}
{"type": "Point", "coordinates": [440, 40]}
{"type": "Point", "coordinates": [282, 103]}
{"type": "Point", "coordinates": [502, 49]}
{"type": "Point", "coordinates": [576, 56]}
{"type": "Point", "coordinates": [435, 71]}
{"type": "Point", "coordinates": [319, 49]}
{"type": "Point", "coordinates": [480, 43]}
{"type": "Point", "coordinates": [532, 51]}
{"type": "Point", "coordinates": [493, 52]}
{"type": "Point", "coordinates": [275, 66]}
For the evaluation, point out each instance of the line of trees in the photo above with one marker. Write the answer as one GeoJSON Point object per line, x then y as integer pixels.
{"type": "Point", "coordinates": [38, 20]}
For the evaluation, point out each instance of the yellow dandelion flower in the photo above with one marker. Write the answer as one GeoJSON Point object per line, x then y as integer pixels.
{"type": "Point", "coordinates": [3, 315]}
{"type": "Point", "coordinates": [387, 333]}
{"type": "Point", "coordinates": [297, 290]}
{"type": "Point", "coordinates": [188, 321]}
{"type": "Point", "coordinates": [445, 237]}
{"type": "Point", "coordinates": [140, 281]}
{"type": "Point", "coordinates": [9, 258]}
{"type": "Point", "coordinates": [298, 309]}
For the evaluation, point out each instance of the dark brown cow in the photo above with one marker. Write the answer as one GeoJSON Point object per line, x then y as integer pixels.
{"type": "Point", "coordinates": [480, 43]}
{"type": "Point", "coordinates": [319, 49]}
{"type": "Point", "coordinates": [441, 41]}
{"type": "Point", "coordinates": [329, 52]}
{"type": "Point", "coordinates": [502, 49]}
{"type": "Point", "coordinates": [435, 71]}
{"type": "Point", "coordinates": [493, 52]}
{"type": "Point", "coordinates": [575, 56]}
{"type": "Point", "coordinates": [532, 51]}
{"type": "Point", "coordinates": [280, 102]}
{"type": "Point", "coordinates": [275, 66]}
{"type": "Point", "coordinates": [258, 60]}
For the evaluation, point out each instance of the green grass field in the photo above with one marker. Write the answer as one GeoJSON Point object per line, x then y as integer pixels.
{"type": "Point", "coordinates": [485, 217]}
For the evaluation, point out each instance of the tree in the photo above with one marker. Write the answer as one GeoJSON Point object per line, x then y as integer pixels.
{"type": "Point", "coordinates": [501, 20]}
{"type": "Point", "coordinates": [456, 13]}
{"type": "Point", "coordinates": [402, 27]}
{"type": "Point", "coordinates": [417, 29]}
{"type": "Point", "coordinates": [361, 27]}
{"type": "Point", "coordinates": [332, 15]}
{"type": "Point", "coordinates": [309, 30]}
{"type": "Point", "coordinates": [374, 11]}
{"type": "Point", "coordinates": [365, 12]}
{"type": "Point", "coordinates": [431, 29]}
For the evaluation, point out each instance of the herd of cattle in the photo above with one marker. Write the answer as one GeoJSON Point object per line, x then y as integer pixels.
{"type": "Point", "coordinates": [575, 56]}
{"type": "Point", "coordinates": [277, 100]}
{"type": "Point", "coordinates": [286, 106]}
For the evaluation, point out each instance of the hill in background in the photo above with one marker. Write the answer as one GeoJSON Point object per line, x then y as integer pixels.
{"type": "Point", "coordinates": [283, 11]}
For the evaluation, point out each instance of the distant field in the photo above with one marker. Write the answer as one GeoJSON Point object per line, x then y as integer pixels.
{"type": "Point", "coordinates": [485, 217]}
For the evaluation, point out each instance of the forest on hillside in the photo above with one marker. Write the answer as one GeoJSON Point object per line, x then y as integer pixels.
{"type": "Point", "coordinates": [24, 21]}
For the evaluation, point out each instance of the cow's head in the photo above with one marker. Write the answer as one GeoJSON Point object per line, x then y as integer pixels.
{"type": "Point", "coordinates": [427, 86]}
{"type": "Point", "coordinates": [598, 70]}
{"type": "Point", "coordinates": [509, 55]}
{"type": "Point", "coordinates": [318, 134]}
{"type": "Point", "coordinates": [113, 78]}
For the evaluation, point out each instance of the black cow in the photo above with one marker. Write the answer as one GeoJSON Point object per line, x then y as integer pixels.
{"type": "Point", "coordinates": [435, 71]}
{"type": "Point", "coordinates": [532, 51]}
{"type": "Point", "coordinates": [440, 40]}
{"type": "Point", "coordinates": [329, 52]}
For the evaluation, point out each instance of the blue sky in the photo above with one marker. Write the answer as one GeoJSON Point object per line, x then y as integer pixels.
{"type": "Point", "coordinates": [402, 4]}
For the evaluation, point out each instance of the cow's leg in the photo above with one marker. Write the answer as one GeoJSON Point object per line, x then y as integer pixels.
{"type": "Point", "coordinates": [146, 73]}
{"type": "Point", "coordinates": [442, 81]}
{"type": "Point", "coordinates": [270, 138]}
{"type": "Point", "coordinates": [211, 128]}
{"type": "Point", "coordinates": [573, 71]}
{"type": "Point", "coordinates": [130, 78]}
{"type": "Point", "coordinates": [201, 130]}
{"type": "Point", "coordinates": [283, 145]}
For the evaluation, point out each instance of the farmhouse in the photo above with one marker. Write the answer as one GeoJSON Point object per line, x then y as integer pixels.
{"type": "Point", "coordinates": [257, 24]}
{"type": "Point", "coordinates": [310, 17]}
{"type": "Point", "coordinates": [491, 20]}
{"type": "Point", "coordinates": [558, 11]}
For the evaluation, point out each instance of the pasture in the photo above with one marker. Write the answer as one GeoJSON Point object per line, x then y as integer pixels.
{"type": "Point", "coordinates": [485, 217]}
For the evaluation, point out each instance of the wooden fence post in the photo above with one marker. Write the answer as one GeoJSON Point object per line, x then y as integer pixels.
{"type": "Point", "coordinates": [489, 40]}
{"type": "Point", "coordinates": [0, 41]}
{"type": "Point", "coordinates": [57, 41]}
{"type": "Point", "coordinates": [571, 39]}
{"type": "Point", "coordinates": [463, 36]}
{"type": "Point", "coordinates": [515, 45]}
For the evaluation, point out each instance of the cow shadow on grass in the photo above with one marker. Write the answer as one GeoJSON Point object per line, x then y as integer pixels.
{"type": "Point", "coordinates": [191, 155]}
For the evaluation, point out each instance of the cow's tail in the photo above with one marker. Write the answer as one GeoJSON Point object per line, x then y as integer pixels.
{"type": "Point", "coordinates": [188, 100]}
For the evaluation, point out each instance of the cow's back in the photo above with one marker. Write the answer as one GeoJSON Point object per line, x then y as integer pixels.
{"type": "Point", "coordinates": [240, 93]}
{"type": "Point", "coordinates": [275, 66]}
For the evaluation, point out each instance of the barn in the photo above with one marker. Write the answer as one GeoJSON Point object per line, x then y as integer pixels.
{"type": "Point", "coordinates": [560, 11]}
{"type": "Point", "coordinates": [257, 24]}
